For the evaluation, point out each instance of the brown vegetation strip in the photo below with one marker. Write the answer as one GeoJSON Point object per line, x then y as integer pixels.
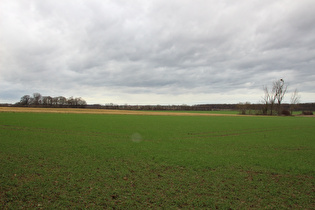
{"type": "Point", "coordinates": [104, 111]}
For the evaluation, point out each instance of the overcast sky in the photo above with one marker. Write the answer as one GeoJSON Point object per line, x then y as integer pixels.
{"type": "Point", "coordinates": [157, 51]}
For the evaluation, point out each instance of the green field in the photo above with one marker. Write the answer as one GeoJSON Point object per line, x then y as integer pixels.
{"type": "Point", "coordinates": [53, 160]}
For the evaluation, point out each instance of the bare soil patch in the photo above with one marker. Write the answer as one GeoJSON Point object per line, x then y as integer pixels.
{"type": "Point", "coordinates": [103, 111]}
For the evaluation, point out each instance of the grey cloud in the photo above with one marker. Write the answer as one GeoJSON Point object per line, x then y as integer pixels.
{"type": "Point", "coordinates": [156, 47]}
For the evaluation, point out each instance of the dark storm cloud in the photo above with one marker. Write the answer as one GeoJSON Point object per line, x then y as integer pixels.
{"type": "Point", "coordinates": [170, 48]}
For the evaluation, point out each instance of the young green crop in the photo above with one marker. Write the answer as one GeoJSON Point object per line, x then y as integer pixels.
{"type": "Point", "coordinates": [133, 161]}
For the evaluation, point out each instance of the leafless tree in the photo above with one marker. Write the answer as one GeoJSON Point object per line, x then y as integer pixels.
{"type": "Point", "coordinates": [70, 101]}
{"type": "Point", "coordinates": [62, 100]}
{"type": "Point", "coordinates": [47, 100]}
{"type": "Point", "coordinates": [279, 89]}
{"type": "Point", "coordinates": [268, 100]}
{"type": "Point", "coordinates": [54, 101]}
{"type": "Point", "coordinates": [295, 100]}
{"type": "Point", "coordinates": [25, 100]}
{"type": "Point", "coordinates": [36, 98]}
{"type": "Point", "coordinates": [79, 102]}
{"type": "Point", "coordinates": [274, 97]}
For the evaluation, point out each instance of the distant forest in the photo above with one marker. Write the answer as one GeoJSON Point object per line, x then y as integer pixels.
{"type": "Point", "coordinates": [47, 101]}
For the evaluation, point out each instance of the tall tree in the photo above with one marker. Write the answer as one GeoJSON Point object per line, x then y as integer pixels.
{"type": "Point", "coordinates": [274, 97]}
{"type": "Point", "coordinates": [62, 100]}
{"type": "Point", "coordinates": [295, 100]}
{"type": "Point", "coordinates": [54, 101]}
{"type": "Point", "coordinates": [71, 101]}
{"type": "Point", "coordinates": [47, 100]}
{"type": "Point", "coordinates": [36, 98]}
{"type": "Point", "coordinates": [25, 100]}
{"type": "Point", "coordinates": [279, 89]}
{"type": "Point", "coordinates": [79, 102]}
{"type": "Point", "coordinates": [269, 101]}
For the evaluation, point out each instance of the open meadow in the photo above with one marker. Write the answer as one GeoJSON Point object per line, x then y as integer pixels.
{"type": "Point", "coordinates": [137, 160]}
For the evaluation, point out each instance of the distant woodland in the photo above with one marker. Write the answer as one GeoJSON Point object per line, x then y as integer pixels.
{"type": "Point", "coordinates": [47, 101]}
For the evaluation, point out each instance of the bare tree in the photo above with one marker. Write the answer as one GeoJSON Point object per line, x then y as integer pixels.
{"type": "Point", "coordinates": [274, 97]}
{"type": "Point", "coordinates": [25, 100]}
{"type": "Point", "coordinates": [279, 90]}
{"type": "Point", "coordinates": [54, 101]}
{"type": "Point", "coordinates": [71, 101]}
{"type": "Point", "coordinates": [268, 100]}
{"type": "Point", "coordinates": [62, 100]}
{"type": "Point", "coordinates": [295, 100]}
{"type": "Point", "coordinates": [47, 100]}
{"type": "Point", "coordinates": [79, 102]}
{"type": "Point", "coordinates": [36, 98]}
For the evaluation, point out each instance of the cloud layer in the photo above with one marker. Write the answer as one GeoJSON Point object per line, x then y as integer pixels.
{"type": "Point", "coordinates": [156, 52]}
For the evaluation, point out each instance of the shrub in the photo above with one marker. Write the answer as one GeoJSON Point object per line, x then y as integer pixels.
{"type": "Point", "coordinates": [307, 113]}
{"type": "Point", "coordinates": [286, 112]}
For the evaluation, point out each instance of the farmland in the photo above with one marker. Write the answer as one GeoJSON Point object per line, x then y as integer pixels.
{"type": "Point", "coordinates": [155, 160]}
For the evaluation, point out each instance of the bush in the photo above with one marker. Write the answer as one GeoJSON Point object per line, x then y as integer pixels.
{"type": "Point", "coordinates": [307, 113]}
{"type": "Point", "coordinates": [286, 112]}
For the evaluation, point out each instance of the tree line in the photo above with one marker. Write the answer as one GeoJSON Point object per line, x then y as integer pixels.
{"type": "Point", "coordinates": [38, 100]}
{"type": "Point", "coordinates": [244, 108]}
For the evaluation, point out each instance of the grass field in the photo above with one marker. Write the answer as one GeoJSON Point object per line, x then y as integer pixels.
{"type": "Point", "coordinates": [69, 160]}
